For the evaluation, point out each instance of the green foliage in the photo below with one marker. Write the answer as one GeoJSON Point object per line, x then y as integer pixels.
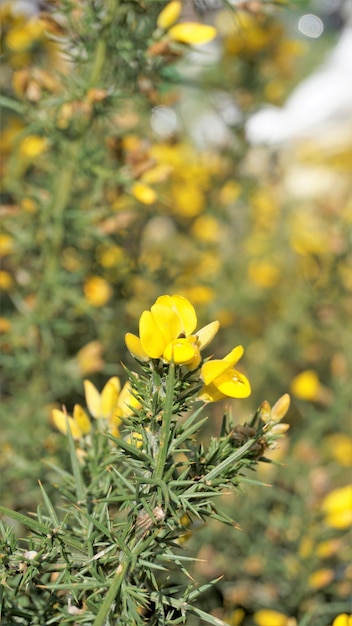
{"type": "Point", "coordinates": [100, 214]}
{"type": "Point", "coordinates": [109, 551]}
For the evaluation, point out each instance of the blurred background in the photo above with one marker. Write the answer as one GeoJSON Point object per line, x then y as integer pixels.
{"type": "Point", "coordinates": [133, 166]}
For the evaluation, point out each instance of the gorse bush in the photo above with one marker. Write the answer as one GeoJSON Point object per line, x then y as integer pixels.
{"type": "Point", "coordinates": [110, 551]}
{"type": "Point", "coordinates": [126, 173]}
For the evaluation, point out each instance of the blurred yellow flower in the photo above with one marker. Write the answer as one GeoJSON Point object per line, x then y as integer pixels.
{"type": "Point", "coordinates": [166, 331]}
{"type": "Point", "coordinates": [263, 273]}
{"type": "Point", "coordinates": [6, 281]}
{"type": "Point", "coordinates": [192, 33]}
{"type": "Point", "coordinates": [143, 193]}
{"type": "Point", "coordinates": [268, 617]}
{"type": "Point", "coordinates": [127, 404]}
{"type": "Point", "coordinates": [321, 578]}
{"type": "Point", "coordinates": [79, 424]}
{"type": "Point", "coordinates": [229, 193]}
{"type": "Point", "coordinates": [169, 15]}
{"type": "Point", "coordinates": [89, 358]}
{"type": "Point", "coordinates": [6, 244]}
{"type": "Point", "coordinates": [23, 36]}
{"type": "Point", "coordinates": [243, 33]}
{"type": "Point", "coordinates": [199, 294]}
{"type": "Point", "coordinates": [32, 146]}
{"type": "Point", "coordinates": [29, 205]}
{"type": "Point", "coordinates": [206, 228]}
{"type": "Point", "coordinates": [337, 508]}
{"type": "Point", "coordinates": [306, 385]}
{"type": "Point", "coordinates": [342, 620]}
{"type": "Point", "coordinates": [327, 549]}
{"type": "Point", "coordinates": [110, 256]}
{"type": "Point", "coordinates": [339, 446]}
{"type": "Point", "coordinates": [5, 325]}
{"type": "Point", "coordinates": [97, 291]}
{"type": "Point", "coordinates": [236, 618]}
{"type": "Point", "coordinates": [221, 380]}
{"type": "Point", "coordinates": [102, 405]}
{"type": "Point", "coordinates": [188, 199]}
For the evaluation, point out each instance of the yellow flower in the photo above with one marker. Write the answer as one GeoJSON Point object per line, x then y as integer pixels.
{"type": "Point", "coordinates": [268, 617]}
{"type": "Point", "coordinates": [192, 33]}
{"type": "Point", "coordinates": [169, 15]}
{"type": "Point", "coordinates": [32, 146]}
{"type": "Point", "coordinates": [97, 291]}
{"type": "Point", "coordinates": [339, 446]}
{"type": "Point", "coordinates": [6, 281]}
{"type": "Point", "coordinates": [89, 358]}
{"type": "Point", "coordinates": [337, 507]}
{"type": "Point", "coordinates": [24, 36]}
{"type": "Point", "coordinates": [342, 620]}
{"type": "Point", "coordinates": [102, 405]}
{"type": "Point", "coordinates": [221, 380]}
{"type": "Point", "coordinates": [79, 424]}
{"type": "Point", "coordinates": [167, 332]}
{"type": "Point", "coordinates": [321, 578]}
{"type": "Point", "coordinates": [144, 193]}
{"type": "Point", "coordinates": [263, 273]}
{"type": "Point", "coordinates": [6, 244]}
{"type": "Point", "coordinates": [306, 385]}
{"type": "Point", "coordinates": [5, 325]}
{"type": "Point", "coordinates": [112, 404]}
{"type": "Point", "coordinates": [188, 199]}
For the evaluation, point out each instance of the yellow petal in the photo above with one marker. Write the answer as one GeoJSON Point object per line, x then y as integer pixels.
{"type": "Point", "coordinates": [210, 393]}
{"type": "Point", "coordinates": [134, 345]}
{"type": "Point", "coordinates": [305, 386]}
{"type": "Point", "coordinates": [212, 370]}
{"type": "Point", "coordinates": [82, 420]}
{"type": "Point", "coordinates": [192, 33]}
{"type": "Point", "coordinates": [61, 420]}
{"type": "Point", "coordinates": [109, 397]}
{"type": "Point", "coordinates": [144, 193]}
{"type": "Point", "coordinates": [337, 506]}
{"type": "Point", "coordinates": [280, 408]}
{"type": "Point", "coordinates": [267, 617]}
{"type": "Point", "coordinates": [93, 398]}
{"type": "Point", "coordinates": [127, 402]}
{"type": "Point", "coordinates": [152, 340]}
{"type": "Point", "coordinates": [169, 15]}
{"type": "Point", "coordinates": [320, 578]}
{"type": "Point", "coordinates": [234, 356]}
{"type": "Point", "coordinates": [181, 351]}
{"type": "Point", "coordinates": [186, 312]}
{"type": "Point", "coordinates": [207, 333]}
{"type": "Point", "coordinates": [342, 620]}
{"type": "Point", "coordinates": [168, 322]}
{"type": "Point", "coordinates": [233, 384]}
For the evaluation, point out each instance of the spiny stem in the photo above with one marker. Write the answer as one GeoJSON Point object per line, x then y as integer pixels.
{"type": "Point", "coordinates": [165, 427]}
{"type": "Point", "coordinates": [111, 594]}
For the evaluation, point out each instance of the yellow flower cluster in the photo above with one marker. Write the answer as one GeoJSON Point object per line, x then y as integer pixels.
{"type": "Point", "coordinates": [111, 405]}
{"type": "Point", "coordinates": [167, 332]}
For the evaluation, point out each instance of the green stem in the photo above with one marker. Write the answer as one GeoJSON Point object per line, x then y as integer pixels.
{"type": "Point", "coordinates": [165, 427]}
{"type": "Point", "coordinates": [99, 60]}
{"type": "Point", "coordinates": [111, 594]}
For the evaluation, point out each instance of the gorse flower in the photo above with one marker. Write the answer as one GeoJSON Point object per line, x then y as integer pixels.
{"type": "Point", "coordinates": [79, 423]}
{"type": "Point", "coordinates": [102, 405]}
{"type": "Point", "coordinates": [111, 405]}
{"type": "Point", "coordinates": [222, 380]}
{"type": "Point", "coordinates": [191, 33]}
{"type": "Point", "coordinates": [167, 332]}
